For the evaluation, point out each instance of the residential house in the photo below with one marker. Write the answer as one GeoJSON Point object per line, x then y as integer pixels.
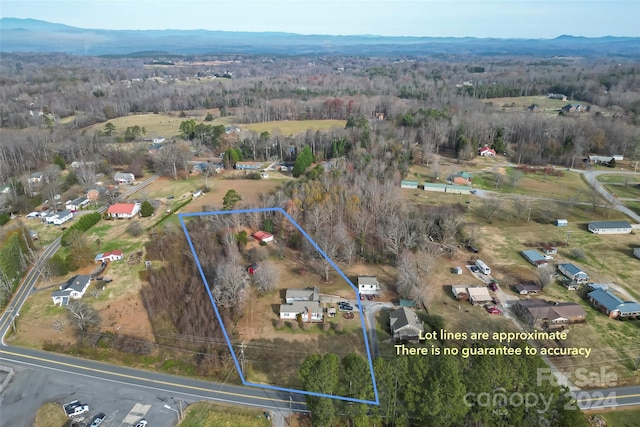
{"type": "Point", "coordinates": [249, 165]}
{"type": "Point", "coordinates": [479, 295]}
{"type": "Point", "coordinates": [535, 258]}
{"type": "Point", "coordinates": [549, 250]}
{"type": "Point", "coordinates": [573, 108]}
{"type": "Point", "coordinates": [115, 255]}
{"type": "Point", "coordinates": [573, 273]}
{"type": "Point", "coordinates": [487, 151]}
{"type": "Point", "coordinates": [636, 252]}
{"type": "Point", "coordinates": [35, 178]}
{"type": "Point", "coordinates": [457, 189]}
{"type": "Point", "coordinates": [460, 178]}
{"type": "Point", "coordinates": [74, 288]}
{"type": "Point", "coordinates": [309, 294]}
{"type": "Point", "coordinates": [612, 305]}
{"type": "Point", "coordinates": [77, 164]}
{"type": "Point", "coordinates": [302, 304]}
{"type": "Point", "coordinates": [557, 96]}
{"type": "Point", "coordinates": [77, 204]}
{"type": "Point", "coordinates": [58, 218]}
{"type": "Point", "coordinates": [123, 210]}
{"type": "Point", "coordinates": [539, 314]}
{"type": "Point", "coordinates": [263, 236]}
{"type": "Point", "coordinates": [528, 289]}
{"type": "Point", "coordinates": [610, 227]}
{"type": "Point", "coordinates": [460, 292]}
{"type": "Point", "coordinates": [158, 140]}
{"type": "Point", "coordinates": [368, 285]}
{"type": "Point", "coordinates": [124, 178]}
{"type": "Point", "coordinates": [405, 325]}
{"type": "Point", "coordinates": [408, 184]}
{"type": "Point", "coordinates": [428, 186]}
{"type": "Point", "coordinates": [231, 129]}
{"type": "Point", "coordinates": [604, 160]}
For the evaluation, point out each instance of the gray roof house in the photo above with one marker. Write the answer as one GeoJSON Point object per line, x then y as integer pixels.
{"type": "Point", "coordinates": [612, 305]}
{"type": "Point", "coordinates": [405, 325]}
{"type": "Point", "coordinates": [528, 289]}
{"type": "Point", "coordinates": [308, 294]}
{"type": "Point", "coordinates": [574, 273]}
{"type": "Point", "coordinates": [124, 178]}
{"type": "Point", "coordinates": [535, 258]}
{"type": "Point", "coordinates": [74, 288]}
{"type": "Point", "coordinates": [610, 227]}
{"type": "Point", "coordinates": [368, 285]}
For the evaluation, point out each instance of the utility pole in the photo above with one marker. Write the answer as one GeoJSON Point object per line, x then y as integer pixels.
{"type": "Point", "coordinates": [242, 347]}
{"type": "Point", "coordinates": [566, 243]}
{"type": "Point", "coordinates": [635, 368]}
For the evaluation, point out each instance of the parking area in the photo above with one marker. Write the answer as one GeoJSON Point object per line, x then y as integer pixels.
{"type": "Point", "coordinates": [30, 388]}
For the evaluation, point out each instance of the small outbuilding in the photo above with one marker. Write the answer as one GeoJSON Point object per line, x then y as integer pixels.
{"type": "Point", "coordinates": [263, 236]}
{"type": "Point", "coordinates": [535, 258]}
{"type": "Point", "coordinates": [561, 222]}
{"type": "Point", "coordinates": [408, 184]}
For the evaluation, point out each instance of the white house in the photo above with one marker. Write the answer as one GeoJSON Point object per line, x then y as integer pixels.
{"type": "Point", "coordinates": [610, 227]}
{"type": "Point", "coordinates": [487, 151]}
{"type": "Point", "coordinates": [110, 256]}
{"type": "Point", "coordinates": [59, 218]}
{"type": "Point", "coordinates": [368, 285]}
{"type": "Point", "coordinates": [74, 288]}
{"type": "Point", "coordinates": [123, 210]}
{"type": "Point", "coordinates": [35, 177]}
{"type": "Point", "coordinates": [124, 178]}
{"type": "Point", "coordinates": [78, 164]}
{"type": "Point", "coordinates": [573, 273]}
{"type": "Point", "coordinates": [309, 311]}
{"type": "Point", "coordinates": [76, 204]}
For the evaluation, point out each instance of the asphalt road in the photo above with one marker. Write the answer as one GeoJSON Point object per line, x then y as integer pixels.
{"type": "Point", "coordinates": [116, 391]}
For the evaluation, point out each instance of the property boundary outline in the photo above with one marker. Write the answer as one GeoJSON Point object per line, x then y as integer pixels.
{"type": "Point", "coordinates": [181, 217]}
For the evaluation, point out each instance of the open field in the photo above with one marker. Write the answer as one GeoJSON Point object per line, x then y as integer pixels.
{"type": "Point", "coordinates": [293, 127]}
{"type": "Point", "coordinates": [208, 414]}
{"type": "Point", "coordinates": [156, 125]}
{"type": "Point", "coordinates": [624, 192]}
{"type": "Point", "coordinates": [517, 103]}
{"type": "Point", "coordinates": [619, 417]}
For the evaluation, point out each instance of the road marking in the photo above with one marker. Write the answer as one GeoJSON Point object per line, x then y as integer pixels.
{"type": "Point", "coordinates": [75, 368]}
{"type": "Point", "coordinates": [136, 413]}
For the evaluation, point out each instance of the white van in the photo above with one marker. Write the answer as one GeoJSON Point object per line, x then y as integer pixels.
{"type": "Point", "coordinates": [484, 268]}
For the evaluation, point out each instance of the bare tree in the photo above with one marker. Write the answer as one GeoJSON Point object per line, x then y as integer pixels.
{"type": "Point", "coordinates": [83, 316]}
{"type": "Point", "coordinates": [544, 276]}
{"type": "Point", "coordinates": [408, 277]}
{"type": "Point", "coordinates": [229, 284]}
{"type": "Point", "coordinates": [427, 257]}
{"type": "Point", "coordinates": [266, 277]}
{"type": "Point", "coordinates": [488, 208]}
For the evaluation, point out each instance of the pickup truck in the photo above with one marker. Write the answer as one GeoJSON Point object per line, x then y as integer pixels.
{"type": "Point", "coordinates": [75, 408]}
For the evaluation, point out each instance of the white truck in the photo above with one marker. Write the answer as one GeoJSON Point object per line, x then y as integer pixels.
{"type": "Point", "coordinates": [75, 408]}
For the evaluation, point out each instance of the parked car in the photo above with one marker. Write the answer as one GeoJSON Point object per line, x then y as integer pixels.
{"type": "Point", "coordinates": [493, 286]}
{"type": "Point", "coordinates": [473, 249]}
{"type": "Point", "coordinates": [493, 310]}
{"type": "Point", "coordinates": [97, 420]}
{"type": "Point", "coordinates": [75, 408]}
{"type": "Point", "coordinates": [142, 423]}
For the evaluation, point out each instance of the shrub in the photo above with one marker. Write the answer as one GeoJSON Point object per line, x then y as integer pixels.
{"type": "Point", "coordinates": [253, 175]}
{"type": "Point", "coordinates": [326, 326]}
{"type": "Point", "coordinates": [4, 218]}
{"type": "Point", "coordinates": [338, 327]}
{"type": "Point", "coordinates": [293, 324]}
{"type": "Point", "coordinates": [58, 265]}
{"type": "Point", "coordinates": [306, 326]}
{"type": "Point", "coordinates": [279, 324]}
{"type": "Point", "coordinates": [134, 229]}
{"type": "Point", "coordinates": [578, 254]}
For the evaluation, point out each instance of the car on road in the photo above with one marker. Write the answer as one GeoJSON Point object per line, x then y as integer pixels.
{"type": "Point", "coordinates": [493, 310]}
{"type": "Point", "coordinates": [97, 420]}
{"type": "Point", "coordinates": [142, 423]}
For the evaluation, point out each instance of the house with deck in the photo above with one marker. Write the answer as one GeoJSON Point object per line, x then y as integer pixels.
{"type": "Point", "coordinates": [405, 325]}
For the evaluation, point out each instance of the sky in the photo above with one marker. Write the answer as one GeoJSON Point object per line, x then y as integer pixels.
{"type": "Point", "coordinates": [431, 18]}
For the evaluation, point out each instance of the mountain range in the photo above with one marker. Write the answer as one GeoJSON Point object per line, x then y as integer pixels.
{"type": "Point", "coordinates": [30, 35]}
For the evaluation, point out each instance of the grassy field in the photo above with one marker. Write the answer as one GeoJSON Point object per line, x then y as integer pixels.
{"type": "Point", "coordinates": [624, 192]}
{"type": "Point", "coordinates": [294, 127]}
{"type": "Point", "coordinates": [207, 414]}
{"type": "Point", "coordinates": [522, 102]}
{"type": "Point", "coordinates": [51, 415]}
{"type": "Point", "coordinates": [620, 417]}
{"type": "Point", "coordinates": [155, 124]}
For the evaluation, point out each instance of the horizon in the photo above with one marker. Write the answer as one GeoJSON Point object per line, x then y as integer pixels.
{"type": "Point", "coordinates": [500, 19]}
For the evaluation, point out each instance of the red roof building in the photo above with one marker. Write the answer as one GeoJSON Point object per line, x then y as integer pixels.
{"type": "Point", "coordinates": [123, 210]}
{"type": "Point", "coordinates": [487, 151]}
{"type": "Point", "coordinates": [263, 236]}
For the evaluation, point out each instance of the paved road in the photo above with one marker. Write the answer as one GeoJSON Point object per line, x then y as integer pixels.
{"type": "Point", "coordinates": [83, 374]}
{"type": "Point", "coordinates": [592, 179]}
{"type": "Point", "coordinates": [604, 398]}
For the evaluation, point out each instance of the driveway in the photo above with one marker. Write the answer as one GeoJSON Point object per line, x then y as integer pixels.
{"type": "Point", "coordinates": [371, 308]}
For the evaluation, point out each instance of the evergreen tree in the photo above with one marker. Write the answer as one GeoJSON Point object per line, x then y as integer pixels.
{"type": "Point", "coordinates": [146, 209]}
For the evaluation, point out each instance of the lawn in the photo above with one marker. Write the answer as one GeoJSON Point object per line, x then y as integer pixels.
{"type": "Point", "coordinates": [518, 103]}
{"type": "Point", "coordinates": [621, 417]}
{"type": "Point", "coordinates": [51, 415]}
{"type": "Point", "coordinates": [623, 192]}
{"type": "Point", "coordinates": [294, 127]}
{"type": "Point", "coordinates": [207, 414]}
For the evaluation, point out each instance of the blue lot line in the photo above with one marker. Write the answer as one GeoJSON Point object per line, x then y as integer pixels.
{"type": "Point", "coordinates": [224, 330]}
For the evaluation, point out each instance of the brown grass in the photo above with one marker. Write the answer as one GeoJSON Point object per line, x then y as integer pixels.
{"type": "Point", "coordinates": [51, 415]}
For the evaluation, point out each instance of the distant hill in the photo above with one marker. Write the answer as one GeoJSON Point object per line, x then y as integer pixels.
{"type": "Point", "coordinates": [31, 35]}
